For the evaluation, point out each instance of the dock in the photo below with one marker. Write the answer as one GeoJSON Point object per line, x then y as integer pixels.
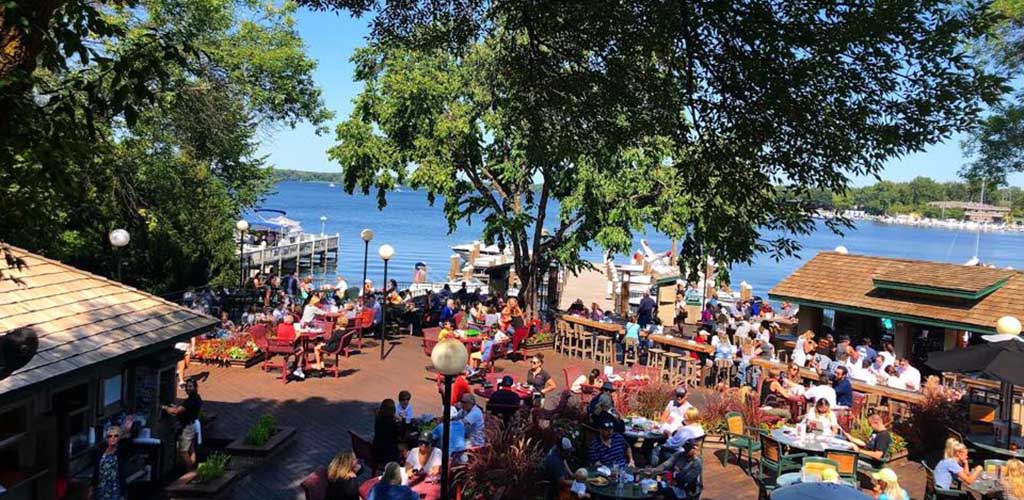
{"type": "Point", "coordinates": [309, 252]}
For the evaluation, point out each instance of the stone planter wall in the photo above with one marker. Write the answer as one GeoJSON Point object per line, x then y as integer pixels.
{"type": "Point", "coordinates": [185, 487]}
{"type": "Point", "coordinates": [253, 455]}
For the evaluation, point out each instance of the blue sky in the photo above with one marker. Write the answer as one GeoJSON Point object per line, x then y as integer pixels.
{"type": "Point", "coordinates": [331, 39]}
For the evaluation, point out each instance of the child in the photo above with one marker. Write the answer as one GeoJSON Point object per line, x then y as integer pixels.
{"type": "Point", "coordinates": [404, 410]}
{"type": "Point", "coordinates": [579, 484]}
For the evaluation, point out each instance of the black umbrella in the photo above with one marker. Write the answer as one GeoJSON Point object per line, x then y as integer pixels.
{"type": "Point", "coordinates": [1003, 361]}
{"type": "Point", "coordinates": [818, 491]}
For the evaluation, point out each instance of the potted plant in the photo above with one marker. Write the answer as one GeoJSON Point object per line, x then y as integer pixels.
{"type": "Point", "coordinates": [264, 439]}
{"type": "Point", "coordinates": [236, 351]}
{"type": "Point", "coordinates": [211, 479]}
{"type": "Point", "coordinates": [509, 463]}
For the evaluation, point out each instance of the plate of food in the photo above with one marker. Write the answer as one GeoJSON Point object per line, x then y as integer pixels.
{"type": "Point", "coordinates": [598, 481]}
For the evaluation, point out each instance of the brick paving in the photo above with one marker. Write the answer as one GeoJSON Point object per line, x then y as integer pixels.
{"type": "Point", "coordinates": [325, 409]}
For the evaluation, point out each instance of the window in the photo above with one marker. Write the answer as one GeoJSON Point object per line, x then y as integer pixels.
{"type": "Point", "coordinates": [112, 388]}
{"type": "Point", "coordinates": [828, 318]}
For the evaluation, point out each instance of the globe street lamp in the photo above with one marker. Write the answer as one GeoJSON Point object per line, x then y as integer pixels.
{"type": "Point", "coordinates": [449, 359]}
{"type": "Point", "coordinates": [385, 252]}
{"type": "Point", "coordinates": [841, 250]}
{"type": "Point", "coordinates": [242, 226]}
{"type": "Point", "coordinates": [366, 235]}
{"type": "Point", "coordinates": [323, 220]}
{"type": "Point", "coordinates": [119, 239]}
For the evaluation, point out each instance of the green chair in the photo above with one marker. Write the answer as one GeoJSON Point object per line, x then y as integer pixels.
{"type": "Point", "coordinates": [775, 462]}
{"type": "Point", "coordinates": [817, 465]}
{"type": "Point", "coordinates": [846, 462]}
{"type": "Point", "coordinates": [932, 492]}
{"type": "Point", "coordinates": [741, 437]}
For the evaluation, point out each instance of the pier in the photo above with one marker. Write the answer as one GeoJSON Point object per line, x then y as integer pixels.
{"type": "Point", "coordinates": [309, 252]}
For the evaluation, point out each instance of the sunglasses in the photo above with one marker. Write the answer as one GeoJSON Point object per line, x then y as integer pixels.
{"type": "Point", "coordinates": [112, 436]}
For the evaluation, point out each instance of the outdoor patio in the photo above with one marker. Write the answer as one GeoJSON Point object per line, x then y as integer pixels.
{"type": "Point", "coordinates": [325, 409]}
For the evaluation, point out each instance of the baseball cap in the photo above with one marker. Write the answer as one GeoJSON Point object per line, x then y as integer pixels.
{"type": "Point", "coordinates": [425, 437]}
{"type": "Point", "coordinates": [608, 424]}
{"type": "Point", "coordinates": [607, 386]}
{"type": "Point", "coordinates": [888, 475]}
{"type": "Point", "coordinates": [680, 391]}
{"type": "Point", "coordinates": [689, 445]}
{"type": "Point", "coordinates": [566, 444]}
{"type": "Point", "coordinates": [506, 381]}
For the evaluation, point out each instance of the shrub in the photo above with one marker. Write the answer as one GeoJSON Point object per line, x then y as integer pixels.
{"type": "Point", "coordinates": [511, 459]}
{"type": "Point", "coordinates": [261, 431]}
{"type": "Point", "coordinates": [212, 468]}
{"type": "Point", "coordinates": [925, 429]}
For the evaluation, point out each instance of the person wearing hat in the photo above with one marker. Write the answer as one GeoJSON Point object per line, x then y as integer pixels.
{"type": "Point", "coordinates": [425, 460]}
{"type": "Point", "coordinates": [675, 412]}
{"type": "Point", "coordinates": [557, 473]}
{"type": "Point", "coordinates": [887, 486]}
{"type": "Point", "coordinates": [609, 448]}
{"type": "Point", "coordinates": [602, 398]}
{"type": "Point", "coordinates": [687, 473]}
{"type": "Point", "coordinates": [504, 402]}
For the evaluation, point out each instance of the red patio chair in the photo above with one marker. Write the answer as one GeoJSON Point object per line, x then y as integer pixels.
{"type": "Point", "coordinates": [364, 451]}
{"type": "Point", "coordinates": [571, 374]}
{"type": "Point", "coordinates": [428, 345]}
{"type": "Point", "coordinates": [362, 322]}
{"type": "Point", "coordinates": [315, 484]}
{"type": "Point", "coordinates": [284, 347]}
{"type": "Point", "coordinates": [343, 349]}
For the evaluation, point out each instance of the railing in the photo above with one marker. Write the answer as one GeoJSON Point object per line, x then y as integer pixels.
{"type": "Point", "coordinates": [310, 246]}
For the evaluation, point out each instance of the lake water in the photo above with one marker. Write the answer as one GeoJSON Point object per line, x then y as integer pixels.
{"type": "Point", "coordinates": [419, 233]}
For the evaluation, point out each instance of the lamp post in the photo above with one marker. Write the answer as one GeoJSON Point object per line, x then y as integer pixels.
{"type": "Point", "coordinates": [1007, 326]}
{"type": "Point", "coordinates": [119, 239]}
{"type": "Point", "coordinates": [449, 359]}
{"type": "Point", "coordinates": [385, 252]}
{"type": "Point", "coordinates": [323, 220]}
{"type": "Point", "coordinates": [366, 235]}
{"type": "Point", "coordinates": [242, 226]}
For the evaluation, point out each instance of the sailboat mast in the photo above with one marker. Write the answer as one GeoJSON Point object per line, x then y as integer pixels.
{"type": "Point", "coordinates": [977, 238]}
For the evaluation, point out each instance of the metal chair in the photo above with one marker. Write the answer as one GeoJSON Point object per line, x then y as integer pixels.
{"type": "Point", "coordinates": [776, 461]}
{"type": "Point", "coordinates": [846, 462]}
{"type": "Point", "coordinates": [932, 492]}
{"type": "Point", "coordinates": [741, 437]}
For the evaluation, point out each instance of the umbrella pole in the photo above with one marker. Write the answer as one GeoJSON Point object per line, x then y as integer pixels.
{"type": "Point", "coordinates": [1006, 410]}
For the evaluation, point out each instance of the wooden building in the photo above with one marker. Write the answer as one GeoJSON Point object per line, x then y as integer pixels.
{"type": "Point", "coordinates": [105, 349]}
{"type": "Point", "coordinates": [920, 306]}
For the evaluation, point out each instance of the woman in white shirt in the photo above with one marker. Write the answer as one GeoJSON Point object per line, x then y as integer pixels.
{"type": "Point", "coordinates": [821, 418]}
{"type": "Point", "coordinates": [692, 430]}
{"type": "Point", "coordinates": [425, 459]}
{"type": "Point", "coordinates": [723, 346]}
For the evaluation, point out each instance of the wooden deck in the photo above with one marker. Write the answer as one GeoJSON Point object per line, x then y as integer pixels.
{"type": "Point", "coordinates": [325, 409]}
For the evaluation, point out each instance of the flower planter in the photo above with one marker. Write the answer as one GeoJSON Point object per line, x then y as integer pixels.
{"type": "Point", "coordinates": [252, 454]}
{"type": "Point", "coordinates": [186, 487]}
{"type": "Point", "coordinates": [537, 347]}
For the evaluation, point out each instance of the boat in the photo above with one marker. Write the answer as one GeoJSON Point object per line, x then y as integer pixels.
{"type": "Point", "coordinates": [330, 185]}
{"type": "Point", "coordinates": [273, 242]}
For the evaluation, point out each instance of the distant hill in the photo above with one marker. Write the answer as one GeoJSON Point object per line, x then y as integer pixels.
{"type": "Point", "coordinates": [304, 176]}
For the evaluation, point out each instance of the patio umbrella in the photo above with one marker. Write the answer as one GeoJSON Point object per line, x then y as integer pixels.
{"type": "Point", "coordinates": [818, 491]}
{"type": "Point", "coordinates": [1003, 361]}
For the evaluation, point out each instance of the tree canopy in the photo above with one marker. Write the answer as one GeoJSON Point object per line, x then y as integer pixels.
{"type": "Point", "coordinates": [146, 116]}
{"type": "Point", "coordinates": [681, 117]}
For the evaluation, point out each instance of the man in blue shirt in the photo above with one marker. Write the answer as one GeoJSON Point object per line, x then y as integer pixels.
{"type": "Point", "coordinates": [645, 312]}
{"type": "Point", "coordinates": [844, 391]}
{"type": "Point", "coordinates": [473, 420]}
{"type": "Point", "coordinates": [457, 437]}
{"type": "Point", "coordinates": [610, 448]}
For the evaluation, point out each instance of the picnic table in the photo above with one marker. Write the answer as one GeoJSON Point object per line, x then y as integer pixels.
{"type": "Point", "coordinates": [811, 442]}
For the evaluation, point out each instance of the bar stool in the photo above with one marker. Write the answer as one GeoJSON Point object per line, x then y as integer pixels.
{"type": "Point", "coordinates": [724, 371]}
{"type": "Point", "coordinates": [561, 340]}
{"type": "Point", "coordinates": [674, 366]}
{"type": "Point", "coordinates": [584, 343]}
{"type": "Point", "coordinates": [604, 349]}
{"type": "Point", "coordinates": [656, 359]}
{"type": "Point", "coordinates": [692, 373]}
{"type": "Point", "coordinates": [631, 351]}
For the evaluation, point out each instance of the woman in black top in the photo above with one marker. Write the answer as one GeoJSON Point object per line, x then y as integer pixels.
{"type": "Point", "coordinates": [537, 377]}
{"type": "Point", "coordinates": [342, 483]}
{"type": "Point", "coordinates": [108, 472]}
{"type": "Point", "coordinates": [385, 433]}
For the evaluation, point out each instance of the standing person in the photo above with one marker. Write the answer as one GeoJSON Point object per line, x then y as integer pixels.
{"type": "Point", "coordinates": [687, 473]}
{"type": "Point", "coordinates": [680, 318]}
{"type": "Point", "coordinates": [448, 312]}
{"type": "Point", "coordinates": [538, 378]}
{"type": "Point", "coordinates": [290, 285]}
{"type": "Point", "coordinates": [646, 310]}
{"type": "Point", "coordinates": [341, 477]}
{"type": "Point", "coordinates": [187, 413]}
{"type": "Point", "coordinates": [909, 375]}
{"type": "Point", "coordinates": [385, 432]}
{"type": "Point", "coordinates": [390, 486]}
{"type": "Point", "coordinates": [109, 471]}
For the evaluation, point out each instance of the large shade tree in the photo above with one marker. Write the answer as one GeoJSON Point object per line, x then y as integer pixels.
{"type": "Point", "coordinates": [147, 115]}
{"type": "Point", "coordinates": [685, 116]}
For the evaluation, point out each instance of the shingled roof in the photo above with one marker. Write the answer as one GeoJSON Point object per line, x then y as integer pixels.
{"type": "Point", "coordinates": [864, 284]}
{"type": "Point", "coordinates": [83, 319]}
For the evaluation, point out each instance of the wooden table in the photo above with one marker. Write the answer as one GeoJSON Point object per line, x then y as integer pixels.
{"type": "Point", "coordinates": [613, 328]}
{"type": "Point", "coordinates": [881, 390]}
{"type": "Point", "coordinates": [681, 343]}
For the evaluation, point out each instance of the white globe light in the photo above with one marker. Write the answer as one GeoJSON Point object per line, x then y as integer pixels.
{"type": "Point", "coordinates": [841, 250]}
{"type": "Point", "coordinates": [119, 238]}
{"type": "Point", "coordinates": [323, 218]}
{"type": "Point", "coordinates": [1008, 325]}
{"type": "Point", "coordinates": [386, 252]}
{"type": "Point", "coordinates": [449, 357]}
{"type": "Point", "coordinates": [242, 225]}
{"type": "Point", "coordinates": [366, 235]}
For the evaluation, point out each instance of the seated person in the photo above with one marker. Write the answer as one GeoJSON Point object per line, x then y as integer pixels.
{"type": "Point", "coordinates": [456, 436]}
{"type": "Point", "coordinates": [587, 382]}
{"type": "Point", "coordinates": [610, 448]}
{"type": "Point", "coordinates": [672, 418]}
{"type": "Point", "coordinates": [596, 313]}
{"type": "Point", "coordinates": [404, 410]}
{"type": "Point", "coordinates": [821, 418]}
{"type": "Point", "coordinates": [390, 486]}
{"type": "Point", "coordinates": [425, 460]}
{"type": "Point", "coordinates": [956, 467]}
{"type": "Point", "coordinates": [342, 482]}
{"type": "Point", "coordinates": [822, 390]}
{"type": "Point", "coordinates": [447, 332]}
{"type": "Point", "coordinates": [876, 449]}
{"type": "Point", "coordinates": [331, 345]}
{"type": "Point", "coordinates": [556, 470]}
{"type": "Point", "coordinates": [691, 431]}
{"type": "Point", "coordinates": [772, 391]}
{"type": "Point", "coordinates": [504, 402]}
{"type": "Point", "coordinates": [603, 399]}
{"type": "Point", "coordinates": [483, 356]}
{"type": "Point", "coordinates": [687, 473]}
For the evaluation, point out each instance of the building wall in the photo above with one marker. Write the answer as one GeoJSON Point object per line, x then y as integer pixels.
{"type": "Point", "coordinates": [808, 318]}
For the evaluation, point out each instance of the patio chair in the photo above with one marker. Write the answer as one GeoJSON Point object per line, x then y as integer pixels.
{"type": "Point", "coordinates": [982, 416]}
{"type": "Point", "coordinates": [572, 373]}
{"type": "Point", "coordinates": [847, 464]}
{"type": "Point", "coordinates": [285, 348]}
{"type": "Point", "coordinates": [428, 345]}
{"type": "Point", "coordinates": [775, 462]}
{"type": "Point", "coordinates": [363, 450]}
{"type": "Point", "coordinates": [818, 465]}
{"type": "Point", "coordinates": [343, 349]}
{"type": "Point", "coordinates": [315, 484]}
{"type": "Point", "coordinates": [932, 492]}
{"type": "Point", "coordinates": [738, 435]}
